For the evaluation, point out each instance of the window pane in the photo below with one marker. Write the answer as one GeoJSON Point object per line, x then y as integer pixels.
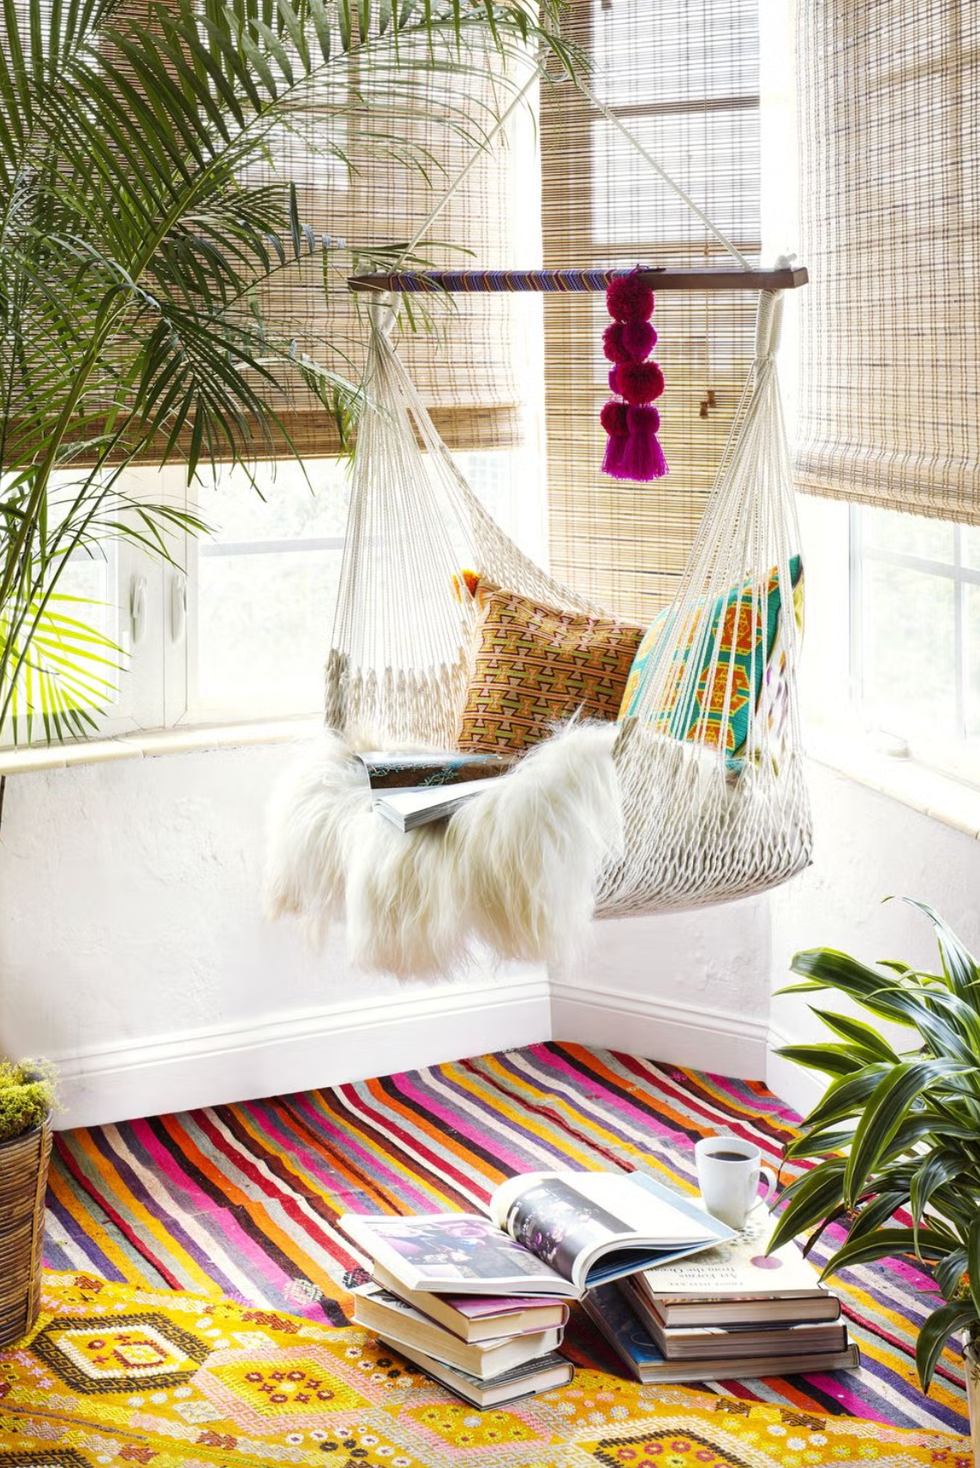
{"type": "Point", "coordinates": [971, 546]}
{"type": "Point", "coordinates": [911, 535]}
{"type": "Point", "coordinates": [290, 503]}
{"type": "Point", "coordinates": [972, 641]}
{"type": "Point", "coordinates": [266, 589]}
{"type": "Point", "coordinates": [908, 649]}
{"type": "Point", "coordinates": [264, 623]}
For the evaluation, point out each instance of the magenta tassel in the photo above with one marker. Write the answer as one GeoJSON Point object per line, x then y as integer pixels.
{"type": "Point", "coordinates": [643, 457]}
{"type": "Point", "coordinates": [612, 463]}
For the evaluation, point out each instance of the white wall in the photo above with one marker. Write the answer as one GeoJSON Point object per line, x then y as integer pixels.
{"type": "Point", "coordinates": [133, 951]}
{"type": "Point", "coordinates": [867, 846]}
{"type": "Point", "coordinates": [691, 988]}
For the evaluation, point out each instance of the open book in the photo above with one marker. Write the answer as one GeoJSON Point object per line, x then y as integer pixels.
{"type": "Point", "coordinates": [549, 1233]}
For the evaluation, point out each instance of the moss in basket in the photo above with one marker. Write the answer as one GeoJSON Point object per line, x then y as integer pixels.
{"type": "Point", "coordinates": [26, 1097]}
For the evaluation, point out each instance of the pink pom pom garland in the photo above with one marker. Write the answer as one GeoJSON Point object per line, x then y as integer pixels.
{"type": "Point", "coordinates": [633, 450]}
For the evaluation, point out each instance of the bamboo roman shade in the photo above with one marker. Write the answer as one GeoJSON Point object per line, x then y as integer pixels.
{"type": "Point", "coordinates": [408, 130]}
{"type": "Point", "coordinates": [890, 121]}
{"type": "Point", "coordinates": [682, 75]}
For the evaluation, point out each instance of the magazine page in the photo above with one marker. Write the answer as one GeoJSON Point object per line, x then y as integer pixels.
{"type": "Point", "coordinates": [595, 1226]}
{"type": "Point", "coordinates": [456, 1253]}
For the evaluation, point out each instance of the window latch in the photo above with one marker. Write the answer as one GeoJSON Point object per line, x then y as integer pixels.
{"type": "Point", "coordinates": [178, 606]}
{"type": "Point", "coordinates": [137, 609]}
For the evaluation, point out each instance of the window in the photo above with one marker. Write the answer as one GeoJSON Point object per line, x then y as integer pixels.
{"type": "Point", "coordinates": [915, 632]}
{"type": "Point", "coordinates": [237, 628]}
{"type": "Point", "coordinates": [892, 644]}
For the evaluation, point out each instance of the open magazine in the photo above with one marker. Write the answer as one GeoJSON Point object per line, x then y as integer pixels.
{"type": "Point", "coordinates": [549, 1233]}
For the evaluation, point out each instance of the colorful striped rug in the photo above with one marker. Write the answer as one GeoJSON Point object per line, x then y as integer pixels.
{"type": "Point", "coordinates": [241, 1200]}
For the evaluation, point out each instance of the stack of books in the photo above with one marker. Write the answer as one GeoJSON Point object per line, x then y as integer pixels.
{"type": "Point", "coordinates": [480, 1303]}
{"type": "Point", "coordinates": [732, 1311]}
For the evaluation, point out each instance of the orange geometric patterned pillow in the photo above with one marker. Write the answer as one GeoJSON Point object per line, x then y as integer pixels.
{"type": "Point", "coordinates": [535, 666]}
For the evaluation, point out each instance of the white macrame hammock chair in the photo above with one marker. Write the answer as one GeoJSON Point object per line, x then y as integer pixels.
{"type": "Point", "coordinates": [699, 827]}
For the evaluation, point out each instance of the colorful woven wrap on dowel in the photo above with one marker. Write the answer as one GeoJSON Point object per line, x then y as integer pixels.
{"type": "Point", "coordinates": [408, 281]}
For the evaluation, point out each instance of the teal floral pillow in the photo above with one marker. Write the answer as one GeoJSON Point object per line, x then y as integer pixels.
{"type": "Point", "coordinates": [747, 642]}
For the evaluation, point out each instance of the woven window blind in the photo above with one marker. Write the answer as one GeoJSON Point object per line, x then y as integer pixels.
{"type": "Point", "coordinates": [683, 77]}
{"type": "Point", "coordinates": [372, 145]}
{"type": "Point", "coordinates": [890, 126]}
{"type": "Point", "coordinates": [467, 356]}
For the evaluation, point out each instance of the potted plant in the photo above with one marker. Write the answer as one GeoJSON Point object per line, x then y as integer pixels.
{"type": "Point", "coordinates": [898, 1130]}
{"type": "Point", "coordinates": [26, 1098]}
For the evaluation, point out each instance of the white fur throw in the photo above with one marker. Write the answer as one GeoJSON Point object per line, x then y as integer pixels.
{"type": "Point", "coordinates": [515, 869]}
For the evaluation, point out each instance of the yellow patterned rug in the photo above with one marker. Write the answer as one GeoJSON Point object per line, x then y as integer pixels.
{"type": "Point", "coordinates": [117, 1375]}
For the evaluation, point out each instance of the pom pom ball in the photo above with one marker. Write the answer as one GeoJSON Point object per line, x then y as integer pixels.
{"type": "Point", "coordinates": [613, 345]}
{"type": "Point", "coordinates": [637, 382]}
{"type": "Point", "coordinates": [644, 418]}
{"type": "Point", "coordinates": [629, 299]}
{"type": "Point", "coordinates": [638, 339]}
{"type": "Point", "coordinates": [613, 418]}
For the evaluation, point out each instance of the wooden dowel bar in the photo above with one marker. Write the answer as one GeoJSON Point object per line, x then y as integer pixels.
{"type": "Point", "coordinates": [453, 282]}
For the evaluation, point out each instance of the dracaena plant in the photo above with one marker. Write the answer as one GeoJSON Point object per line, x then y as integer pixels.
{"type": "Point", "coordinates": [897, 1129]}
{"type": "Point", "coordinates": [143, 224]}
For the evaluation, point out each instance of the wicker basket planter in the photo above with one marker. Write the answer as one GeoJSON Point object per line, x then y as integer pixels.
{"type": "Point", "coordinates": [23, 1179]}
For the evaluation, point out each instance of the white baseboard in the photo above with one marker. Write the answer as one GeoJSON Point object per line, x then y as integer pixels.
{"type": "Point", "coordinates": [278, 1054]}
{"type": "Point", "coordinates": [661, 1029]}
{"type": "Point", "coordinates": [296, 1051]}
{"type": "Point", "coordinates": [792, 1083]}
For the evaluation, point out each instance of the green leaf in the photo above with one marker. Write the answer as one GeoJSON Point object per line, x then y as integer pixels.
{"type": "Point", "coordinates": [949, 1271]}
{"type": "Point", "coordinates": [889, 1243]}
{"type": "Point", "coordinates": [846, 1097]}
{"type": "Point", "coordinates": [959, 965]}
{"type": "Point", "coordinates": [831, 1059]}
{"type": "Point", "coordinates": [934, 1334]}
{"type": "Point", "coordinates": [857, 1032]}
{"type": "Point", "coordinates": [808, 1200]}
{"type": "Point", "coordinates": [883, 1115]}
{"type": "Point", "coordinates": [875, 1213]}
{"type": "Point", "coordinates": [833, 970]}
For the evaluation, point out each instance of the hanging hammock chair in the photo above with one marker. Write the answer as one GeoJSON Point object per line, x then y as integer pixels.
{"type": "Point", "coordinates": [703, 822]}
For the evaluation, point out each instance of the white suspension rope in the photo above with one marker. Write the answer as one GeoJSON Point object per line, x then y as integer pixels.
{"type": "Point", "coordinates": [471, 163]}
{"type": "Point", "coordinates": [662, 173]}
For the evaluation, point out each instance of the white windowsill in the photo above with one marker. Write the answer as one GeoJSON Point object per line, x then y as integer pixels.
{"type": "Point", "coordinates": [152, 743]}
{"type": "Point", "coordinates": [931, 792]}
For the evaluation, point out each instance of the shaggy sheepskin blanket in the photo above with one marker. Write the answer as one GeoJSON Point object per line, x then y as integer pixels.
{"type": "Point", "coordinates": [514, 870]}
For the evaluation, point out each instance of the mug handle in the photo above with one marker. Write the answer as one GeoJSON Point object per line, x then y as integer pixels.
{"type": "Point", "coordinates": [771, 1185]}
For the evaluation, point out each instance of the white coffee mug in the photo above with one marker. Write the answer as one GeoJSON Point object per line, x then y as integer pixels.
{"type": "Point", "coordinates": [729, 1170]}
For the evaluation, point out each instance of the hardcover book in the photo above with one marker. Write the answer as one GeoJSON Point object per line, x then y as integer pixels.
{"type": "Point", "coordinates": [610, 1310]}
{"type": "Point", "coordinates": [481, 1317]}
{"type": "Point", "coordinates": [549, 1233]}
{"type": "Point", "coordinates": [691, 1342]}
{"type": "Point", "coordinates": [738, 1282]}
{"type": "Point", "coordinates": [389, 1316]}
{"type": "Point", "coordinates": [390, 770]}
{"type": "Point", "coordinates": [543, 1375]}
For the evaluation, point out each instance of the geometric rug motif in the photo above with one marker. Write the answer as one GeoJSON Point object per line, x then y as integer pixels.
{"type": "Point", "coordinates": [256, 1388]}
{"type": "Point", "coordinates": [115, 1353]}
{"type": "Point", "coordinates": [242, 1201]}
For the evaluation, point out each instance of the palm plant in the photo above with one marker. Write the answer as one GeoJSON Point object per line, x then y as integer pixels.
{"type": "Point", "coordinates": [143, 225]}
{"type": "Point", "coordinates": [897, 1129]}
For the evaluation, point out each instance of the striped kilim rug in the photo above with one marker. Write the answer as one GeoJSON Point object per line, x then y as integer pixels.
{"type": "Point", "coordinates": [240, 1201]}
{"type": "Point", "coordinates": [116, 1375]}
